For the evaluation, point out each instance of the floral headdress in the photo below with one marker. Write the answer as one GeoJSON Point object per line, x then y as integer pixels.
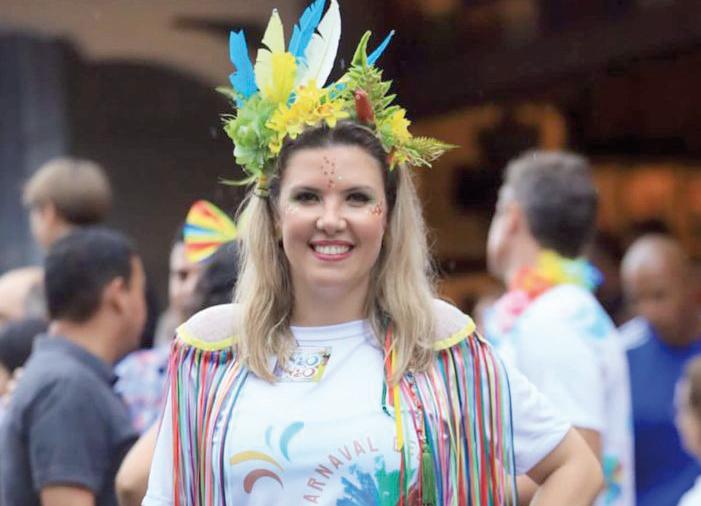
{"type": "Point", "coordinates": [285, 92]}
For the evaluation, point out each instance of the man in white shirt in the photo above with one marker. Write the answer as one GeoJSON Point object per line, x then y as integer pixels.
{"type": "Point", "coordinates": [548, 324]}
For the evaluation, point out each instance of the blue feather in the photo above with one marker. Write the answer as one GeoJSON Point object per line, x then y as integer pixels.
{"type": "Point", "coordinates": [243, 79]}
{"type": "Point", "coordinates": [380, 49]}
{"type": "Point", "coordinates": [304, 29]}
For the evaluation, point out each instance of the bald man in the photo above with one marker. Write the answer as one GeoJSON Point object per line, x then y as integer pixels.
{"type": "Point", "coordinates": [664, 334]}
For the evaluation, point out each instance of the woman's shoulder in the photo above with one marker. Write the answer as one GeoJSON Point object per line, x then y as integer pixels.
{"type": "Point", "coordinates": [215, 328]}
{"type": "Point", "coordinates": [452, 325]}
{"type": "Point", "coordinates": [211, 329]}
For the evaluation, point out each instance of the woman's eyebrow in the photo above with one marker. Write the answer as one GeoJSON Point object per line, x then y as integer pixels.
{"type": "Point", "coordinates": [307, 188]}
{"type": "Point", "coordinates": [360, 188]}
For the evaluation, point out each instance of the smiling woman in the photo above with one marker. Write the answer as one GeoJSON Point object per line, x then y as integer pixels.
{"type": "Point", "coordinates": [331, 232]}
{"type": "Point", "coordinates": [336, 376]}
{"type": "Point", "coordinates": [339, 214]}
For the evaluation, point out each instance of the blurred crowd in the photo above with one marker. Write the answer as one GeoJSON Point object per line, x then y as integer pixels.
{"type": "Point", "coordinates": [625, 369]}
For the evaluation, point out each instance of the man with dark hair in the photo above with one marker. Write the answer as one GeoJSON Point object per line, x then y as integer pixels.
{"type": "Point", "coordinates": [548, 323]}
{"type": "Point", "coordinates": [66, 431]}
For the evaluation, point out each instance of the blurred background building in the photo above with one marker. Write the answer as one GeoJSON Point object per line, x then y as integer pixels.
{"type": "Point", "coordinates": [130, 84]}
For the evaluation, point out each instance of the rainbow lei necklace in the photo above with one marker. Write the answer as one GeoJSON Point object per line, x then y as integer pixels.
{"type": "Point", "coordinates": [529, 283]}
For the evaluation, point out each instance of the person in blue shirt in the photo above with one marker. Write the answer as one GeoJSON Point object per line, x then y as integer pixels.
{"type": "Point", "coordinates": [663, 335]}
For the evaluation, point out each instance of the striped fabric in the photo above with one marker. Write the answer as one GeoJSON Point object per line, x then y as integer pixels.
{"type": "Point", "coordinates": [463, 402]}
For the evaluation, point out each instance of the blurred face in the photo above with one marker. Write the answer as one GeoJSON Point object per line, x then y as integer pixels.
{"type": "Point", "coordinates": [40, 225]}
{"type": "Point", "coordinates": [332, 217]}
{"type": "Point", "coordinates": [183, 279]}
{"type": "Point", "coordinates": [660, 297]}
{"type": "Point", "coordinates": [135, 304]}
{"type": "Point", "coordinates": [687, 421]}
{"type": "Point", "coordinates": [500, 229]}
{"type": "Point", "coordinates": [5, 376]}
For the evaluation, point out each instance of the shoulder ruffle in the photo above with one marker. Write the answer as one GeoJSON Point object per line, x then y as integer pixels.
{"type": "Point", "coordinates": [215, 328]}
{"type": "Point", "coordinates": [452, 325]}
{"type": "Point", "coordinates": [211, 329]}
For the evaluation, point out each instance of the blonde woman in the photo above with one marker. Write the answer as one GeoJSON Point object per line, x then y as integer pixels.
{"type": "Point", "coordinates": [336, 376]}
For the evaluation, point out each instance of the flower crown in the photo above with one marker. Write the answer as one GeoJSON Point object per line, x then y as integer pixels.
{"type": "Point", "coordinates": [284, 93]}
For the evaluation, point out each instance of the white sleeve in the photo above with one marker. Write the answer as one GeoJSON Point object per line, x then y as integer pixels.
{"type": "Point", "coordinates": [160, 481]}
{"type": "Point", "coordinates": [567, 371]}
{"type": "Point", "coordinates": [538, 427]}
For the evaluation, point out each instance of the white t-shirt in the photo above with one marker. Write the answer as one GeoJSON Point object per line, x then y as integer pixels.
{"type": "Point", "coordinates": [693, 496]}
{"type": "Point", "coordinates": [568, 347]}
{"type": "Point", "coordinates": [320, 442]}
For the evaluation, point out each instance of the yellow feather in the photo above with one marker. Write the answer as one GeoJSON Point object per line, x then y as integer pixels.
{"type": "Point", "coordinates": [284, 70]}
{"type": "Point", "coordinates": [274, 41]}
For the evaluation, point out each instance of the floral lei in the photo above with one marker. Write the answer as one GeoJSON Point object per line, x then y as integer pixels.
{"type": "Point", "coordinates": [529, 283]}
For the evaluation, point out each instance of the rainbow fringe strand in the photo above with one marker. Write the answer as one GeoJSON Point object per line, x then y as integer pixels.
{"type": "Point", "coordinates": [204, 386]}
{"type": "Point", "coordinates": [465, 408]}
{"type": "Point", "coordinates": [460, 411]}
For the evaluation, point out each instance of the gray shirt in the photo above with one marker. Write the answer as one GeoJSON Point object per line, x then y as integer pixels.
{"type": "Point", "coordinates": [64, 426]}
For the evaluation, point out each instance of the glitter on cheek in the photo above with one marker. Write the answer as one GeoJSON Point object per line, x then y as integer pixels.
{"type": "Point", "coordinates": [291, 209]}
{"type": "Point", "coordinates": [376, 210]}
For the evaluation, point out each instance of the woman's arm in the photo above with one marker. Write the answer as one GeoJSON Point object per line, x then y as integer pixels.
{"type": "Point", "coordinates": [132, 478]}
{"type": "Point", "coordinates": [570, 474]}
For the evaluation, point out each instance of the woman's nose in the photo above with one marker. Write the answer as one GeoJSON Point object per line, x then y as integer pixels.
{"type": "Point", "coordinates": [331, 220]}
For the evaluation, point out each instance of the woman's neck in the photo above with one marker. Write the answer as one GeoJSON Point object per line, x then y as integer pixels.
{"type": "Point", "coordinates": [329, 306]}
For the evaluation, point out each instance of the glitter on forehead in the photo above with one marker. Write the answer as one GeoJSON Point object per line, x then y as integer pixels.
{"type": "Point", "coordinates": [328, 168]}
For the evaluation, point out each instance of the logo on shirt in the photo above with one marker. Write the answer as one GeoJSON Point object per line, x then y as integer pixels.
{"type": "Point", "coordinates": [269, 466]}
{"type": "Point", "coordinates": [307, 364]}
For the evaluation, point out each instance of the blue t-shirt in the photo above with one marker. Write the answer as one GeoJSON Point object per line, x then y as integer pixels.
{"type": "Point", "coordinates": [663, 470]}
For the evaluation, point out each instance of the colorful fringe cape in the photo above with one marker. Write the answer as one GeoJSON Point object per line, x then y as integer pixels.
{"type": "Point", "coordinates": [464, 402]}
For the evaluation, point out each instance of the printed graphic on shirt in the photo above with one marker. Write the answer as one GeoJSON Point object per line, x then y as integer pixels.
{"type": "Point", "coordinates": [272, 468]}
{"type": "Point", "coordinates": [362, 488]}
{"type": "Point", "coordinates": [307, 364]}
{"type": "Point", "coordinates": [613, 478]}
{"type": "Point", "coordinates": [357, 469]}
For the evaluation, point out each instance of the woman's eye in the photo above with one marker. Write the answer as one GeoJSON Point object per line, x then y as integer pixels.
{"type": "Point", "coordinates": [359, 198]}
{"type": "Point", "coordinates": [304, 197]}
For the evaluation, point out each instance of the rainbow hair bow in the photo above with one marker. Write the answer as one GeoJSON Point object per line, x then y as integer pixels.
{"type": "Point", "coordinates": [206, 229]}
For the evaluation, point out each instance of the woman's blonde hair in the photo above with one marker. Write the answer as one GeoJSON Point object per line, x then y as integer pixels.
{"type": "Point", "coordinates": [402, 287]}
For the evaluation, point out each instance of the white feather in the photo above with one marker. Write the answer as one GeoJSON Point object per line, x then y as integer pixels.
{"type": "Point", "coordinates": [321, 51]}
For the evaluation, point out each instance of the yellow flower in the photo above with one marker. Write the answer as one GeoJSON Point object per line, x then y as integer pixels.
{"type": "Point", "coordinates": [552, 268]}
{"type": "Point", "coordinates": [399, 126]}
{"type": "Point", "coordinates": [332, 111]}
{"type": "Point", "coordinates": [311, 106]}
